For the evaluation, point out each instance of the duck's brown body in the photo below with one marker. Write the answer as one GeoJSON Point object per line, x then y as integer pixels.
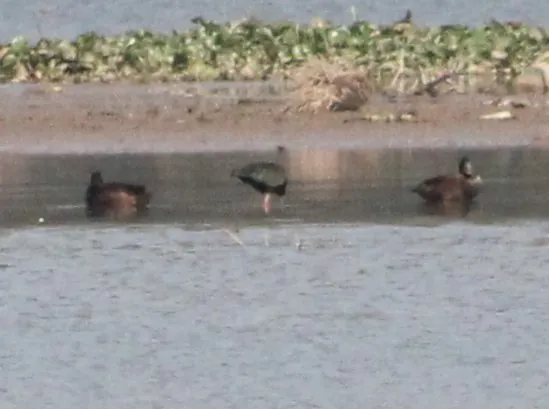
{"type": "Point", "coordinates": [115, 199]}
{"type": "Point", "coordinates": [447, 189]}
{"type": "Point", "coordinates": [462, 188]}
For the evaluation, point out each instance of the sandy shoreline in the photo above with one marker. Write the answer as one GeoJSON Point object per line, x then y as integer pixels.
{"type": "Point", "coordinates": [180, 118]}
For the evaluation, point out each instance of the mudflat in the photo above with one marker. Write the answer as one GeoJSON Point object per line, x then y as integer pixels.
{"type": "Point", "coordinates": [197, 117]}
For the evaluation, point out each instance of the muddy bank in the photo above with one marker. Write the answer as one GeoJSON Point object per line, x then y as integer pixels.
{"type": "Point", "coordinates": [113, 118]}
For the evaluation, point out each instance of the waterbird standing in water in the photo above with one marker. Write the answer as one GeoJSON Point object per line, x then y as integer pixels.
{"type": "Point", "coordinates": [265, 177]}
{"type": "Point", "coordinates": [445, 189]}
{"type": "Point", "coordinates": [121, 200]}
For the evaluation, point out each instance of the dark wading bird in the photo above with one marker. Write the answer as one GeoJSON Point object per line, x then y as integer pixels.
{"type": "Point", "coordinates": [116, 199]}
{"type": "Point", "coordinates": [265, 177]}
{"type": "Point", "coordinates": [445, 190]}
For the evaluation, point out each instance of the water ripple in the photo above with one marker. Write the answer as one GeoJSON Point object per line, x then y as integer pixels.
{"type": "Point", "coordinates": [161, 316]}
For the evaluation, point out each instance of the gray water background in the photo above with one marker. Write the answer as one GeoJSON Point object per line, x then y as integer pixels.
{"type": "Point", "coordinates": [67, 19]}
{"type": "Point", "coordinates": [349, 297]}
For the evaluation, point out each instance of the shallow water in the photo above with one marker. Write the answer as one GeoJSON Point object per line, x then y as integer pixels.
{"type": "Point", "coordinates": [350, 295]}
{"type": "Point", "coordinates": [326, 185]}
{"type": "Point", "coordinates": [64, 18]}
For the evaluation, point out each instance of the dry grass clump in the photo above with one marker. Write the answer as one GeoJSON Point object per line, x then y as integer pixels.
{"type": "Point", "coordinates": [330, 86]}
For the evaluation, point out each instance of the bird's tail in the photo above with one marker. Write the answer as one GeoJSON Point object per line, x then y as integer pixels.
{"type": "Point", "coordinates": [418, 188]}
{"type": "Point", "coordinates": [138, 190]}
{"type": "Point", "coordinates": [143, 200]}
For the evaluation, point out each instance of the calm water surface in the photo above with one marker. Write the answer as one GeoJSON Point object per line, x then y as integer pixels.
{"type": "Point", "coordinates": [350, 295]}
{"type": "Point", "coordinates": [326, 185]}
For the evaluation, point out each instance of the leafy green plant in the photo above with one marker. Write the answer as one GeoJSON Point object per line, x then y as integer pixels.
{"type": "Point", "coordinates": [253, 50]}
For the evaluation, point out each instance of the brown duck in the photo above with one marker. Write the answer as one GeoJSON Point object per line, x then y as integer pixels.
{"type": "Point", "coordinates": [445, 189]}
{"type": "Point", "coordinates": [116, 199]}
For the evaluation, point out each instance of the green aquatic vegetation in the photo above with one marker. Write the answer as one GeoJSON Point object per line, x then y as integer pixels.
{"type": "Point", "coordinates": [252, 50]}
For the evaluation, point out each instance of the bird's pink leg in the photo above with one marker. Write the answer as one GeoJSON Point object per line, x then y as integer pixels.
{"type": "Point", "coordinates": [267, 203]}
